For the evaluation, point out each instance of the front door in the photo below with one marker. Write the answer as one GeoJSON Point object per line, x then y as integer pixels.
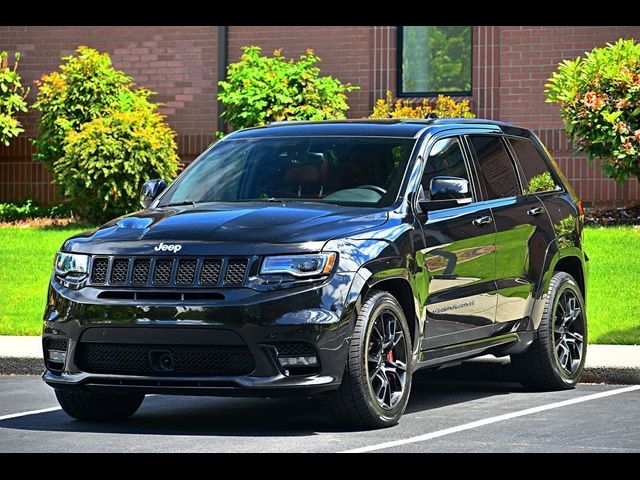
{"type": "Point", "coordinates": [459, 257]}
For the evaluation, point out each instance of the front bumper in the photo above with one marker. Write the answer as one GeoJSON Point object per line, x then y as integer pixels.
{"type": "Point", "coordinates": [321, 316]}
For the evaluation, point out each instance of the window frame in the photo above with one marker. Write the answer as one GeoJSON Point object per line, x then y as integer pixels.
{"type": "Point", "coordinates": [520, 170]}
{"type": "Point", "coordinates": [400, 93]}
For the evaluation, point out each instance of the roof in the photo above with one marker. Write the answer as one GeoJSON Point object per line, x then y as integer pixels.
{"type": "Point", "coordinates": [407, 128]}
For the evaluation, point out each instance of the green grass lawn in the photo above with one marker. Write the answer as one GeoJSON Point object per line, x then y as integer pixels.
{"type": "Point", "coordinates": [27, 259]}
{"type": "Point", "coordinates": [613, 297]}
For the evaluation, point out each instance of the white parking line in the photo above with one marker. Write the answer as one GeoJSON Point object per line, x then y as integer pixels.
{"type": "Point", "coordinates": [488, 421]}
{"type": "Point", "coordinates": [42, 410]}
{"type": "Point", "coordinates": [30, 412]}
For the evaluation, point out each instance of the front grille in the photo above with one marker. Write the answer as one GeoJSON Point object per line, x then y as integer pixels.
{"type": "Point", "coordinates": [99, 271]}
{"type": "Point", "coordinates": [188, 360]}
{"type": "Point", "coordinates": [119, 271]}
{"type": "Point", "coordinates": [235, 271]}
{"type": "Point", "coordinates": [204, 272]}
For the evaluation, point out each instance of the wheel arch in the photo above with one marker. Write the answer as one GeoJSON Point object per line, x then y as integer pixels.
{"type": "Point", "coordinates": [570, 260]}
{"type": "Point", "coordinates": [572, 265]}
{"type": "Point", "coordinates": [400, 287]}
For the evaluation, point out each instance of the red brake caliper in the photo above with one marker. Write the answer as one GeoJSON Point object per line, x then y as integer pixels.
{"type": "Point", "coordinates": [390, 357]}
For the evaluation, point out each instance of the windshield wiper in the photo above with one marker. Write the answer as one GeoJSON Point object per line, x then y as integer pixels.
{"type": "Point", "coordinates": [179, 204]}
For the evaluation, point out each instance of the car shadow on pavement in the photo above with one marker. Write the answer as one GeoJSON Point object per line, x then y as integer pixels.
{"type": "Point", "coordinates": [208, 416]}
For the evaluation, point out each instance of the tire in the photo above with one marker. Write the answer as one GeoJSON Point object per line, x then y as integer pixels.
{"type": "Point", "coordinates": [98, 407]}
{"type": "Point", "coordinates": [543, 366]}
{"type": "Point", "coordinates": [355, 404]}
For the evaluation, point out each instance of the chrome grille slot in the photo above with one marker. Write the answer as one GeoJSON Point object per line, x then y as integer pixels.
{"type": "Point", "coordinates": [186, 271]}
{"type": "Point", "coordinates": [140, 274]}
{"type": "Point", "coordinates": [119, 269]}
{"type": "Point", "coordinates": [162, 272]}
{"type": "Point", "coordinates": [236, 270]}
{"type": "Point", "coordinates": [211, 271]}
{"type": "Point", "coordinates": [99, 270]}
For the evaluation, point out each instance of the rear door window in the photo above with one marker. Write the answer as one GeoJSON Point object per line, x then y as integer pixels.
{"type": "Point", "coordinates": [496, 167]}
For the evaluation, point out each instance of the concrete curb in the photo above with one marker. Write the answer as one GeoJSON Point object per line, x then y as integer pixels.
{"type": "Point", "coordinates": [481, 370]}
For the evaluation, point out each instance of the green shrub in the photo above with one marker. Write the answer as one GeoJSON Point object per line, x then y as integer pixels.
{"type": "Point", "coordinates": [599, 98]}
{"type": "Point", "coordinates": [11, 212]}
{"type": "Point", "coordinates": [261, 89]}
{"type": "Point", "coordinates": [85, 86]}
{"type": "Point", "coordinates": [540, 183]}
{"type": "Point", "coordinates": [12, 95]}
{"type": "Point", "coordinates": [443, 107]}
{"type": "Point", "coordinates": [105, 164]}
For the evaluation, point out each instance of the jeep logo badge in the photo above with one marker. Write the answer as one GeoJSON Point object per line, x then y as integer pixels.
{"type": "Point", "coordinates": [165, 246]}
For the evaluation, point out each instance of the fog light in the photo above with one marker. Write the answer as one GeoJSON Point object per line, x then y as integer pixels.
{"type": "Point", "coordinates": [57, 356]}
{"type": "Point", "coordinates": [310, 361]}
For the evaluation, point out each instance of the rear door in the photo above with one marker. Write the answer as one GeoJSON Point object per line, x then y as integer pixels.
{"type": "Point", "coordinates": [522, 229]}
{"type": "Point", "coordinates": [459, 255]}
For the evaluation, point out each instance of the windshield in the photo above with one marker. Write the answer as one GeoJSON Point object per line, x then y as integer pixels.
{"type": "Point", "coordinates": [364, 171]}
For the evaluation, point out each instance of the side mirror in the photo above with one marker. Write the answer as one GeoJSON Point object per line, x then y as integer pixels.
{"type": "Point", "coordinates": [446, 192]}
{"type": "Point", "coordinates": [449, 188]}
{"type": "Point", "coordinates": [150, 191]}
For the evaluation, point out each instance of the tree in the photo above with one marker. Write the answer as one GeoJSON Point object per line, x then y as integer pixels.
{"type": "Point", "coordinates": [599, 98]}
{"type": "Point", "coordinates": [86, 86]}
{"type": "Point", "coordinates": [12, 95]}
{"type": "Point", "coordinates": [100, 137]}
{"type": "Point", "coordinates": [261, 89]}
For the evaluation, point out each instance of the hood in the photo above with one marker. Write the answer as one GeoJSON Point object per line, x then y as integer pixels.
{"type": "Point", "coordinates": [247, 228]}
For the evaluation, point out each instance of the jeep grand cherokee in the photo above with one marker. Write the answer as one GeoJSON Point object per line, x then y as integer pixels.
{"type": "Point", "coordinates": [326, 258]}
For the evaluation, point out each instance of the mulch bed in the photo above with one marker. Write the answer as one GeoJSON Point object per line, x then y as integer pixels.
{"type": "Point", "coordinates": [613, 216]}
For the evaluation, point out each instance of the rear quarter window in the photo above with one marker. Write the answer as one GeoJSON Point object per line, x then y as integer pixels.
{"type": "Point", "coordinates": [538, 177]}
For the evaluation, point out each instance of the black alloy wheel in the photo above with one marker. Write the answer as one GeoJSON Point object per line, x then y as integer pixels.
{"type": "Point", "coordinates": [555, 360]}
{"type": "Point", "coordinates": [377, 380]}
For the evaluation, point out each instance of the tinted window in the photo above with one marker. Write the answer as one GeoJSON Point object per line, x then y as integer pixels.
{"type": "Point", "coordinates": [445, 159]}
{"type": "Point", "coordinates": [435, 59]}
{"type": "Point", "coordinates": [364, 171]}
{"type": "Point", "coordinates": [538, 177]}
{"type": "Point", "coordinates": [496, 167]}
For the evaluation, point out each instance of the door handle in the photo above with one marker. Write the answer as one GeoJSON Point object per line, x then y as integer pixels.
{"type": "Point", "coordinates": [482, 221]}
{"type": "Point", "coordinates": [535, 211]}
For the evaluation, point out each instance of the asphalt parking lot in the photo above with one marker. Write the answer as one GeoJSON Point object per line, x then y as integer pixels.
{"type": "Point", "coordinates": [443, 416]}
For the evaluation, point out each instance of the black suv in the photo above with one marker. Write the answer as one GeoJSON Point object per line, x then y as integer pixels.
{"type": "Point", "coordinates": [332, 258]}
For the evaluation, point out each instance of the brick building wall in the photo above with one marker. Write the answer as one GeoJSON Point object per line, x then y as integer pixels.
{"type": "Point", "coordinates": [510, 67]}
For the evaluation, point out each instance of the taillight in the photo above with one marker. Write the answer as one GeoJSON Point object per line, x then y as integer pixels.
{"type": "Point", "coordinates": [580, 208]}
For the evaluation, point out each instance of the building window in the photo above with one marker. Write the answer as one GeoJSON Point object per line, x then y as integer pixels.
{"type": "Point", "coordinates": [434, 60]}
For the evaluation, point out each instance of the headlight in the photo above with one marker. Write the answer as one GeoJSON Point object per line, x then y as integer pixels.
{"type": "Point", "coordinates": [299, 265]}
{"type": "Point", "coordinates": [71, 263]}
